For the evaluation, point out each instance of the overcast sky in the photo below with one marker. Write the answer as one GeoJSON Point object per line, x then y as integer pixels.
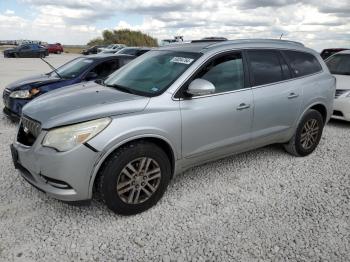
{"type": "Point", "coordinates": [318, 24]}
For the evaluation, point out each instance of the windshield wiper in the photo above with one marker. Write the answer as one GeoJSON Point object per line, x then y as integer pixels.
{"type": "Point", "coordinates": [54, 69]}
{"type": "Point", "coordinates": [121, 88]}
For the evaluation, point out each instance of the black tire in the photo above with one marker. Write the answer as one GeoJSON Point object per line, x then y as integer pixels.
{"type": "Point", "coordinates": [297, 145]}
{"type": "Point", "coordinates": [111, 171]}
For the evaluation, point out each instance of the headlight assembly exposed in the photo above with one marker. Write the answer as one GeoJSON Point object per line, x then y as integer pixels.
{"type": "Point", "coordinates": [68, 137]}
{"type": "Point", "coordinates": [25, 94]}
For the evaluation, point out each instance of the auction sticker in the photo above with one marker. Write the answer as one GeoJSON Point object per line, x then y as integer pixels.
{"type": "Point", "coordinates": [181, 60]}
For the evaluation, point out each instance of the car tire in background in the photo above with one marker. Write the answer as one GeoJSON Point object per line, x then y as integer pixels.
{"type": "Point", "coordinates": [307, 135]}
{"type": "Point", "coordinates": [134, 177]}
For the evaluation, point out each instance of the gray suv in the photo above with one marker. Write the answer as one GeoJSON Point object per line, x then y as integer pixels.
{"type": "Point", "coordinates": [168, 110]}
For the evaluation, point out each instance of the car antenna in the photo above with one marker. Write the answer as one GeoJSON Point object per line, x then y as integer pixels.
{"type": "Point", "coordinates": [52, 67]}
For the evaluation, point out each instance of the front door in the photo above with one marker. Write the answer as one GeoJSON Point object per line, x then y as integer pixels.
{"type": "Point", "coordinates": [218, 124]}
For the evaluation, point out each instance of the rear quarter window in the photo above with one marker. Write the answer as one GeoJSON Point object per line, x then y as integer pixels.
{"type": "Point", "coordinates": [302, 64]}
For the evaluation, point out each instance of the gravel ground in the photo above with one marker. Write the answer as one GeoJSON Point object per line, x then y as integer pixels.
{"type": "Point", "coordinates": [262, 205]}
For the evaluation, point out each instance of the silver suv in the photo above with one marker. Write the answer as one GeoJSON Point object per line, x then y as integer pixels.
{"type": "Point", "coordinates": [168, 110]}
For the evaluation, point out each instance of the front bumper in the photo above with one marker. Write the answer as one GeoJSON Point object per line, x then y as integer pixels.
{"type": "Point", "coordinates": [12, 116]}
{"type": "Point", "coordinates": [63, 175]}
{"type": "Point", "coordinates": [13, 107]}
{"type": "Point", "coordinates": [341, 108]}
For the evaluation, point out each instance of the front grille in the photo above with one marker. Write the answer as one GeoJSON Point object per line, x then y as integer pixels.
{"type": "Point", "coordinates": [339, 92]}
{"type": "Point", "coordinates": [31, 126]}
{"type": "Point", "coordinates": [28, 131]}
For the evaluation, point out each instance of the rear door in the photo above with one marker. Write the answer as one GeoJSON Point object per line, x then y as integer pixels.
{"type": "Point", "coordinates": [277, 99]}
{"type": "Point", "coordinates": [218, 124]}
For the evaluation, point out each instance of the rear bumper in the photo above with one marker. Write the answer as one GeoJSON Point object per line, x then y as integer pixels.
{"type": "Point", "coordinates": [62, 175]}
{"type": "Point", "coordinates": [341, 109]}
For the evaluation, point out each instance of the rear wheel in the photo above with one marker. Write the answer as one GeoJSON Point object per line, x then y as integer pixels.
{"type": "Point", "coordinates": [308, 134]}
{"type": "Point", "coordinates": [134, 178]}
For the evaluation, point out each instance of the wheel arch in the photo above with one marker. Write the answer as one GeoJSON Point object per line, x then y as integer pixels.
{"type": "Point", "coordinates": [162, 142]}
{"type": "Point", "coordinates": [318, 106]}
{"type": "Point", "coordinates": [322, 109]}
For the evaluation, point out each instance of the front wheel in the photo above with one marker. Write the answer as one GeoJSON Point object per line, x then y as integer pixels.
{"type": "Point", "coordinates": [307, 135]}
{"type": "Point", "coordinates": [134, 178]}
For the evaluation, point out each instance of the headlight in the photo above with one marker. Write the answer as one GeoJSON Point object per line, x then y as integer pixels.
{"type": "Point", "coordinates": [25, 94]}
{"type": "Point", "coordinates": [68, 137]}
{"type": "Point", "coordinates": [21, 94]}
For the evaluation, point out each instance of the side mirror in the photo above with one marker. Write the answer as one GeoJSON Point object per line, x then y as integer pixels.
{"type": "Point", "coordinates": [91, 76]}
{"type": "Point", "coordinates": [200, 87]}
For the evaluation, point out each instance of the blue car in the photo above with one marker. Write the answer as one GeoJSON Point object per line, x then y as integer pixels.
{"type": "Point", "coordinates": [86, 68]}
{"type": "Point", "coordinates": [26, 51]}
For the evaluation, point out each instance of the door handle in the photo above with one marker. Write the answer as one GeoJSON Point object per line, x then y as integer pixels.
{"type": "Point", "coordinates": [243, 106]}
{"type": "Point", "coordinates": [292, 95]}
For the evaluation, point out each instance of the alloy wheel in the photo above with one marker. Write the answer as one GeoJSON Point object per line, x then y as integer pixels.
{"type": "Point", "coordinates": [138, 180]}
{"type": "Point", "coordinates": [309, 134]}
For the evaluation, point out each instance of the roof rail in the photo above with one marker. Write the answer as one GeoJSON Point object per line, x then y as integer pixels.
{"type": "Point", "coordinates": [248, 40]}
{"type": "Point", "coordinates": [210, 39]}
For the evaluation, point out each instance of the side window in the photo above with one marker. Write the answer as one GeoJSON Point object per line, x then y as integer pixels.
{"type": "Point", "coordinates": [106, 68]}
{"type": "Point", "coordinates": [224, 72]}
{"type": "Point", "coordinates": [141, 52]}
{"type": "Point", "coordinates": [302, 63]}
{"type": "Point", "coordinates": [26, 47]}
{"type": "Point", "coordinates": [124, 61]}
{"type": "Point", "coordinates": [265, 67]}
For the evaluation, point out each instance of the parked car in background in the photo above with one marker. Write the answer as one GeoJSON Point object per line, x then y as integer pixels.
{"type": "Point", "coordinates": [55, 48]}
{"type": "Point", "coordinates": [331, 51]}
{"type": "Point", "coordinates": [112, 47]}
{"type": "Point", "coordinates": [169, 110]}
{"type": "Point", "coordinates": [26, 51]}
{"type": "Point", "coordinates": [339, 66]}
{"type": "Point", "coordinates": [92, 50]}
{"type": "Point", "coordinates": [80, 69]}
{"type": "Point", "coordinates": [135, 51]}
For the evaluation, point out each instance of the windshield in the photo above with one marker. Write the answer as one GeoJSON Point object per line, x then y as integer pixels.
{"type": "Point", "coordinates": [73, 68]}
{"type": "Point", "coordinates": [339, 64]}
{"type": "Point", "coordinates": [152, 73]}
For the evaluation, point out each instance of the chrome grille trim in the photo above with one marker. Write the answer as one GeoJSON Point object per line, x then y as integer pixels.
{"type": "Point", "coordinates": [31, 126]}
{"type": "Point", "coordinates": [7, 92]}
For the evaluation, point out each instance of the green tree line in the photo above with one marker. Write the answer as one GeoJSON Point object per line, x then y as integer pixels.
{"type": "Point", "coordinates": [124, 36]}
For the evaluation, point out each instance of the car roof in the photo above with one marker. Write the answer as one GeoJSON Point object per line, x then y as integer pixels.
{"type": "Point", "coordinates": [136, 47]}
{"type": "Point", "coordinates": [101, 56]}
{"type": "Point", "coordinates": [334, 49]}
{"type": "Point", "coordinates": [343, 52]}
{"type": "Point", "coordinates": [204, 47]}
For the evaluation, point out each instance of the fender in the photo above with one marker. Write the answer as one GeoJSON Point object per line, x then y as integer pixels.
{"type": "Point", "coordinates": [105, 153]}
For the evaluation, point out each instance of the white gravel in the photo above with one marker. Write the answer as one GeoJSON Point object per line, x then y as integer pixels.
{"type": "Point", "coordinates": [261, 205]}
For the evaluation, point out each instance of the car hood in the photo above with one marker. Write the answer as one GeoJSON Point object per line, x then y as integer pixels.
{"type": "Point", "coordinates": [32, 81]}
{"type": "Point", "coordinates": [343, 82]}
{"type": "Point", "coordinates": [82, 102]}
